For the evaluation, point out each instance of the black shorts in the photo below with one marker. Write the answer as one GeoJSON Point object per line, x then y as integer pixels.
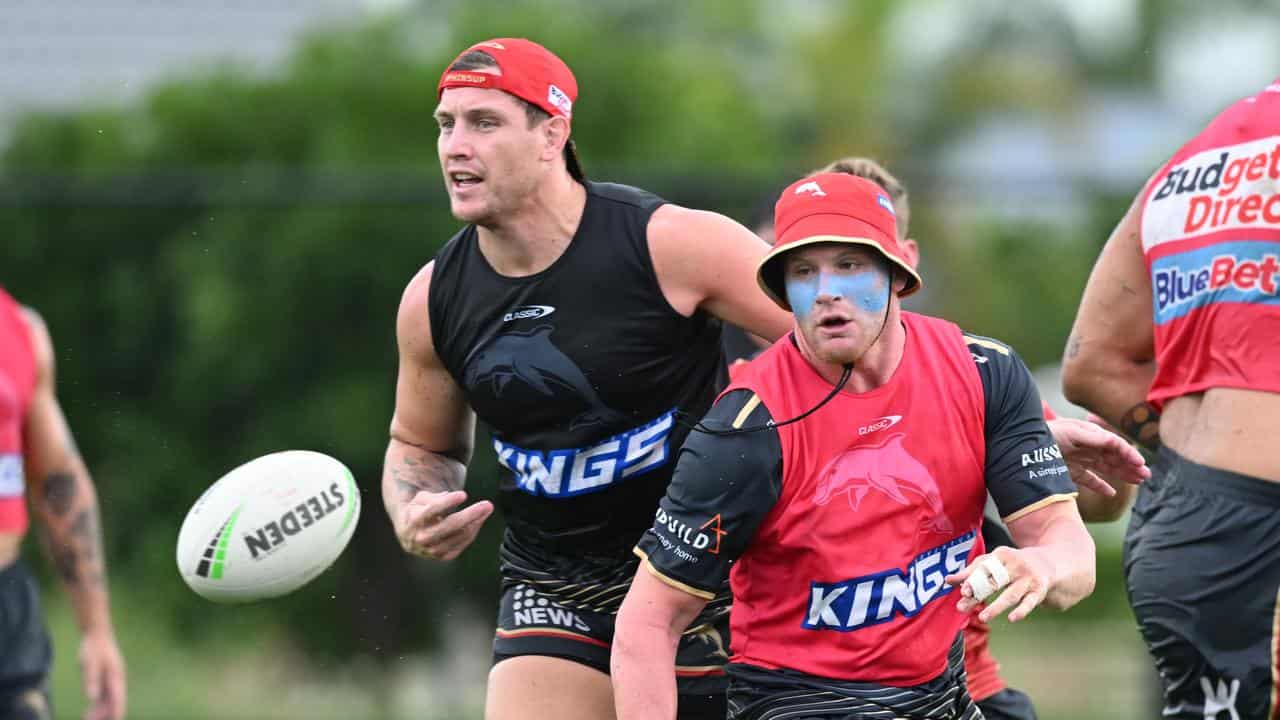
{"type": "Point", "coordinates": [1008, 704]}
{"type": "Point", "coordinates": [1202, 568]}
{"type": "Point", "coordinates": [25, 652]}
{"type": "Point", "coordinates": [760, 694]}
{"type": "Point", "coordinates": [565, 607]}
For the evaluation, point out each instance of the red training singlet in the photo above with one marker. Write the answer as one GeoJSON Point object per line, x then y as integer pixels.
{"type": "Point", "coordinates": [17, 383]}
{"type": "Point", "coordinates": [1211, 237]}
{"type": "Point", "coordinates": [882, 496]}
{"type": "Point", "coordinates": [980, 665]}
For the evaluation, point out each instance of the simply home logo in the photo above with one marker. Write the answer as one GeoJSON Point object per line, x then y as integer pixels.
{"type": "Point", "coordinates": [681, 538]}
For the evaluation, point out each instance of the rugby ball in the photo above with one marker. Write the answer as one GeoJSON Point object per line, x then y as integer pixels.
{"type": "Point", "coordinates": [268, 527]}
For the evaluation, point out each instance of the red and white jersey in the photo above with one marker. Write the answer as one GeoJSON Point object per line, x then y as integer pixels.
{"type": "Point", "coordinates": [1211, 237]}
{"type": "Point", "coordinates": [17, 383]}
{"type": "Point", "coordinates": [836, 531]}
{"type": "Point", "coordinates": [878, 504]}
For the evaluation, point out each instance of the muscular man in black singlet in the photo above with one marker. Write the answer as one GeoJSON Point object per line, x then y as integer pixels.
{"type": "Point", "coordinates": [579, 320]}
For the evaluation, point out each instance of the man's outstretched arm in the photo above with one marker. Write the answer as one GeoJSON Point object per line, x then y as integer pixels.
{"type": "Point", "coordinates": [432, 433]}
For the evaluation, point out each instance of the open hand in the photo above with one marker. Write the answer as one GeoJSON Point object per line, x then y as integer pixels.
{"type": "Point", "coordinates": [1017, 579]}
{"type": "Point", "coordinates": [432, 525]}
{"type": "Point", "coordinates": [1095, 455]}
{"type": "Point", "coordinates": [102, 673]}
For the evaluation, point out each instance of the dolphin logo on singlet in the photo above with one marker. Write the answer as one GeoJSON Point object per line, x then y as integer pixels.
{"type": "Point", "coordinates": [888, 469]}
{"type": "Point", "coordinates": [532, 359]}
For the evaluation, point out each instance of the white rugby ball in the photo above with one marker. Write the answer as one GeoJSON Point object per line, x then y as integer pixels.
{"type": "Point", "coordinates": [268, 527]}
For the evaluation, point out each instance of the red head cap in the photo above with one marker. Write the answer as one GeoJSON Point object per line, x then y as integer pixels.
{"type": "Point", "coordinates": [528, 71]}
{"type": "Point", "coordinates": [833, 207]}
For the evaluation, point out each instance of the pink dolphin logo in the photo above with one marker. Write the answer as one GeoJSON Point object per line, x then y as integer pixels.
{"type": "Point", "coordinates": [887, 468]}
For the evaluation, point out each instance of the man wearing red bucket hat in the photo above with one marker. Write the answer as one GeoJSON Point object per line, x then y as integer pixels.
{"type": "Point", "coordinates": [578, 320]}
{"type": "Point", "coordinates": [839, 483]}
{"type": "Point", "coordinates": [1104, 467]}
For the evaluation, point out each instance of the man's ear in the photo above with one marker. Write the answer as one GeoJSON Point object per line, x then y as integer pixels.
{"type": "Point", "coordinates": [556, 134]}
{"type": "Point", "coordinates": [900, 279]}
{"type": "Point", "coordinates": [911, 253]}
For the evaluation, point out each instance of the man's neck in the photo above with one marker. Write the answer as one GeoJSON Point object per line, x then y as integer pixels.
{"type": "Point", "coordinates": [537, 234]}
{"type": "Point", "coordinates": [877, 364]}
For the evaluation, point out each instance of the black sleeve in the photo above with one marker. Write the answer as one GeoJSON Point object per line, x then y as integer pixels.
{"type": "Point", "coordinates": [1024, 466]}
{"type": "Point", "coordinates": [738, 344]}
{"type": "Point", "coordinates": [723, 486]}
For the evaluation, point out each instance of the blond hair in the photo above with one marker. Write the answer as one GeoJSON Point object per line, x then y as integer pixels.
{"type": "Point", "coordinates": [871, 170]}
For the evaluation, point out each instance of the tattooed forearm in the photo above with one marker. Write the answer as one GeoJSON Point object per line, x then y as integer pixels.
{"type": "Point", "coordinates": [70, 529]}
{"type": "Point", "coordinates": [1142, 423]}
{"type": "Point", "coordinates": [59, 493]}
{"type": "Point", "coordinates": [78, 553]}
{"type": "Point", "coordinates": [428, 471]}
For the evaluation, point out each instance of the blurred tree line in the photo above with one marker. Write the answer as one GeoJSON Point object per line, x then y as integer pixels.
{"type": "Point", "coordinates": [220, 262]}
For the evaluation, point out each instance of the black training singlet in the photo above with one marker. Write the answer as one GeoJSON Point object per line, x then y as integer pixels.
{"type": "Point", "coordinates": [579, 371]}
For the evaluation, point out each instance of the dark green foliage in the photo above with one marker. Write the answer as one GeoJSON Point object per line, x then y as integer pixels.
{"type": "Point", "coordinates": [220, 265]}
{"type": "Point", "coordinates": [220, 262]}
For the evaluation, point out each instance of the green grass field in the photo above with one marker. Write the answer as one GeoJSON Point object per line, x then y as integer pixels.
{"type": "Point", "coordinates": [1075, 670]}
{"type": "Point", "coordinates": [1072, 669]}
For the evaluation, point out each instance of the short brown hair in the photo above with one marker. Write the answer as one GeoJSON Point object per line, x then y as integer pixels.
{"type": "Point", "coordinates": [479, 59]}
{"type": "Point", "coordinates": [870, 169]}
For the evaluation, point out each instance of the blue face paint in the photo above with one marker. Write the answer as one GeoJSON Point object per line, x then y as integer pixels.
{"type": "Point", "coordinates": [801, 294]}
{"type": "Point", "coordinates": [866, 290]}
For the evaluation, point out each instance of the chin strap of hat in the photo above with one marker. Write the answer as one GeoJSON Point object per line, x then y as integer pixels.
{"type": "Point", "coordinates": [844, 379]}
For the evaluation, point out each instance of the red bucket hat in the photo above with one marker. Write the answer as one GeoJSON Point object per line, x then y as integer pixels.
{"type": "Point", "coordinates": [528, 71]}
{"type": "Point", "coordinates": [833, 207]}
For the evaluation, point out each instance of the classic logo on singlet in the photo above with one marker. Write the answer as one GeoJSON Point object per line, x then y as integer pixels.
{"type": "Point", "coordinates": [883, 423]}
{"type": "Point", "coordinates": [564, 473]}
{"type": "Point", "coordinates": [528, 312]}
{"type": "Point", "coordinates": [883, 596]}
{"type": "Point", "coordinates": [889, 470]}
{"type": "Point", "coordinates": [11, 478]}
{"type": "Point", "coordinates": [1235, 188]}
